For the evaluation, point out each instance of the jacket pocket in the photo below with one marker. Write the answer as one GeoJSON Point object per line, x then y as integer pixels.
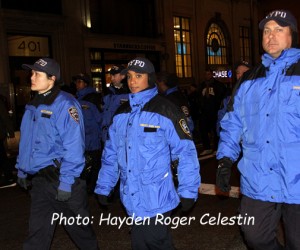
{"type": "Point", "coordinates": [291, 167]}
{"type": "Point", "coordinates": [157, 189]}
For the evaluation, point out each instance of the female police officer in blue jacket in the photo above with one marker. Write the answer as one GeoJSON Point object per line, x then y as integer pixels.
{"type": "Point", "coordinates": [146, 133]}
{"type": "Point", "coordinates": [51, 151]}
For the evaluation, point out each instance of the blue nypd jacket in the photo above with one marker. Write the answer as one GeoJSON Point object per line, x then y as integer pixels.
{"type": "Point", "coordinates": [112, 102]}
{"type": "Point", "coordinates": [92, 118]}
{"type": "Point", "coordinates": [52, 129]}
{"type": "Point", "coordinates": [265, 118]}
{"type": "Point", "coordinates": [145, 135]}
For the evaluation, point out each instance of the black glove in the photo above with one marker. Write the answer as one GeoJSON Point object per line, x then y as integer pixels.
{"type": "Point", "coordinates": [223, 174]}
{"type": "Point", "coordinates": [24, 183]}
{"type": "Point", "coordinates": [103, 200]}
{"type": "Point", "coordinates": [63, 195]}
{"type": "Point", "coordinates": [186, 204]}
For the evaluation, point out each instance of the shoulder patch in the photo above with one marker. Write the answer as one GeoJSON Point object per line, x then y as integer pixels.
{"type": "Point", "coordinates": [185, 127]}
{"type": "Point", "coordinates": [74, 114]}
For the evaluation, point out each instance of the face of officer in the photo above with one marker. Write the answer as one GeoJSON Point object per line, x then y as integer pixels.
{"type": "Point", "coordinates": [240, 70]}
{"type": "Point", "coordinates": [116, 79]}
{"type": "Point", "coordinates": [40, 81]}
{"type": "Point", "coordinates": [137, 81]}
{"type": "Point", "coordinates": [276, 38]}
{"type": "Point", "coordinates": [80, 84]}
{"type": "Point", "coordinates": [161, 86]}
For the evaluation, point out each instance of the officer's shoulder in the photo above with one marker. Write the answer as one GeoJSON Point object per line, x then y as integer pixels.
{"type": "Point", "coordinates": [123, 108]}
{"type": "Point", "coordinates": [66, 98]}
{"type": "Point", "coordinates": [161, 105]}
{"type": "Point", "coordinates": [257, 71]}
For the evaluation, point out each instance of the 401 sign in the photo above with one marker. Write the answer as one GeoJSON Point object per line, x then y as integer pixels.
{"type": "Point", "coordinates": [28, 46]}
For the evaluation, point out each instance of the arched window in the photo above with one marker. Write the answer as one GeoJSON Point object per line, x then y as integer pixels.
{"type": "Point", "coordinates": [216, 46]}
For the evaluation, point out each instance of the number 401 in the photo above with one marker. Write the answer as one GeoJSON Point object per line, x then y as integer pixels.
{"type": "Point", "coordinates": [31, 45]}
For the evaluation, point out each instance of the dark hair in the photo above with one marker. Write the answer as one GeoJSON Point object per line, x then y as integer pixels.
{"type": "Point", "coordinates": [170, 79]}
{"type": "Point", "coordinates": [151, 79]}
{"type": "Point", "coordinates": [294, 39]}
{"type": "Point", "coordinates": [56, 82]}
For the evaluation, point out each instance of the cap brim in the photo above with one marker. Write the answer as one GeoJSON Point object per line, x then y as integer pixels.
{"type": "Point", "coordinates": [113, 72]}
{"type": "Point", "coordinates": [32, 67]}
{"type": "Point", "coordinates": [136, 70]}
{"type": "Point", "coordinates": [27, 66]}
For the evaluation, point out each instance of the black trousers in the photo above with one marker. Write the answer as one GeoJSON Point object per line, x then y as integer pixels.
{"type": "Point", "coordinates": [4, 166]}
{"type": "Point", "coordinates": [263, 234]}
{"type": "Point", "coordinates": [91, 170]}
{"type": "Point", "coordinates": [208, 125]}
{"type": "Point", "coordinates": [44, 206]}
{"type": "Point", "coordinates": [151, 236]}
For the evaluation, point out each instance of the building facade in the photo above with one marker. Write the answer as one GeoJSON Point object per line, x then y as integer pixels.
{"type": "Point", "coordinates": [90, 36]}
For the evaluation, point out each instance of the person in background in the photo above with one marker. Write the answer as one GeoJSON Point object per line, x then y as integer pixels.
{"type": "Point", "coordinates": [212, 92]}
{"type": "Point", "coordinates": [51, 155]}
{"type": "Point", "coordinates": [240, 69]}
{"type": "Point", "coordinates": [145, 135]}
{"type": "Point", "coordinates": [194, 104]}
{"type": "Point", "coordinates": [167, 85]}
{"type": "Point", "coordinates": [263, 117]}
{"type": "Point", "coordinates": [6, 131]}
{"type": "Point", "coordinates": [90, 102]}
{"type": "Point", "coordinates": [117, 94]}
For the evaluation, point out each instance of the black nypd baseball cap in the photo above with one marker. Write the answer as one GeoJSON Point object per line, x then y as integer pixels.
{"type": "Point", "coordinates": [282, 17]}
{"type": "Point", "coordinates": [139, 65]}
{"type": "Point", "coordinates": [46, 65]}
{"type": "Point", "coordinates": [115, 69]}
{"type": "Point", "coordinates": [83, 77]}
{"type": "Point", "coordinates": [243, 63]}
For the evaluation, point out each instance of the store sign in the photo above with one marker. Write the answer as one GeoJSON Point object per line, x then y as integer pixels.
{"type": "Point", "coordinates": [28, 46]}
{"type": "Point", "coordinates": [135, 46]}
{"type": "Point", "coordinates": [222, 73]}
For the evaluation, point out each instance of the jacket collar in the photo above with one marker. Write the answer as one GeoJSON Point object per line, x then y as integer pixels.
{"type": "Point", "coordinates": [83, 92]}
{"type": "Point", "coordinates": [287, 58]}
{"type": "Point", "coordinates": [45, 98]}
{"type": "Point", "coordinates": [171, 90]}
{"type": "Point", "coordinates": [141, 98]}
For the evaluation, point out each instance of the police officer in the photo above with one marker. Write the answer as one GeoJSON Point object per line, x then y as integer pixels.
{"type": "Point", "coordinates": [264, 117]}
{"type": "Point", "coordinates": [51, 152]}
{"type": "Point", "coordinates": [146, 133]}
{"type": "Point", "coordinates": [117, 94]}
{"type": "Point", "coordinates": [167, 85]}
{"type": "Point", "coordinates": [90, 102]}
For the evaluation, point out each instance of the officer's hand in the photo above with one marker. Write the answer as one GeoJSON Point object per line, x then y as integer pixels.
{"type": "Point", "coordinates": [103, 200]}
{"type": "Point", "coordinates": [223, 174]}
{"type": "Point", "coordinates": [24, 183]}
{"type": "Point", "coordinates": [63, 195]}
{"type": "Point", "coordinates": [186, 204]}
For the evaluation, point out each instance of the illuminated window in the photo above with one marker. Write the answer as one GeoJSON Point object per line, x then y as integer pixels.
{"type": "Point", "coordinates": [216, 47]}
{"type": "Point", "coordinates": [182, 38]}
{"type": "Point", "coordinates": [245, 44]}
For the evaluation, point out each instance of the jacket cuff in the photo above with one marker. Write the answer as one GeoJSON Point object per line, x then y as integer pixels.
{"type": "Point", "coordinates": [65, 187]}
{"type": "Point", "coordinates": [21, 174]}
